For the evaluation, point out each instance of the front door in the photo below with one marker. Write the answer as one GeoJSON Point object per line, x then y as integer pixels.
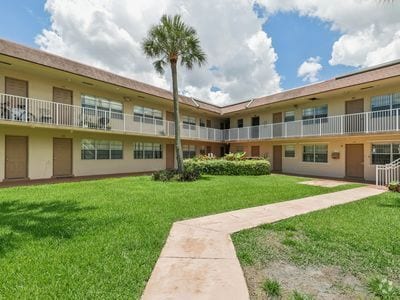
{"type": "Point", "coordinates": [62, 113]}
{"type": "Point", "coordinates": [354, 122]}
{"type": "Point", "coordinates": [277, 127]}
{"type": "Point", "coordinates": [255, 151]}
{"type": "Point", "coordinates": [62, 157]}
{"type": "Point", "coordinates": [277, 158]}
{"type": "Point", "coordinates": [170, 156]}
{"type": "Point", "coordinates": [16, 165]}
{"type": "Point", "coordinates": [255, 130]}
{"type": "Point", "coordinates": [355, 161]}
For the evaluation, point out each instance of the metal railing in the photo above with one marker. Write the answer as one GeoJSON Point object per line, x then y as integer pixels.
{"type": "Point", "coordinates": [29, 110]}
{"type": "Point", "coordinates": [388, 173]}
{"type": "Point", "coordinates": [360, 123]}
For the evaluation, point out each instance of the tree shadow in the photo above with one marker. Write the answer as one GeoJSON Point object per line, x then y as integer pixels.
{"type": "Point", "coordinates": [21, 222]}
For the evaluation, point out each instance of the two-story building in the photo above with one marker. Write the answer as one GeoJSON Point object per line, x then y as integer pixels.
{"type": "Point", "coordinates": [62, 118]}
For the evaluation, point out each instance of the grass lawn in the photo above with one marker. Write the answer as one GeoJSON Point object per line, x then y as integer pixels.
{"type": "Point", "coordinates": [361, 240]}
{"type": "Point", "coordinates": [101, 239]}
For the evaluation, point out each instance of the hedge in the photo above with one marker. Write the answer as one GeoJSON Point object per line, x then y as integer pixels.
{"type": "Point", "coordinates": [226, 167]}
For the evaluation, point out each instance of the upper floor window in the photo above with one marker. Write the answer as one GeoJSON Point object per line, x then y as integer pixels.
{"type": "Point", "coordinates": [385, 153]}
{"type": "Point", "coordinates": [202, 123]}
{"type": "Point", "coordinates": [188, 122]}
{"type": "Point", "coordinates": [101, 149]}
{"type": "Point", "coordinates": [385, 102]}
{"type": "Point", "coordinates": [289, 116]}
{"type": "Point", "coordinates": [240, 123]}
{"type": "Point", "coordinates": [103, 107]}
{"type": "Point", "coordinates": [147, 115]}
{"type": "Point", "coordinates": [314, 114]}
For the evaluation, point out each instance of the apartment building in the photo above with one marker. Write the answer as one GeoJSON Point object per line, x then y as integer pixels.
{"type": "Point", "coordinates": [60, 118]}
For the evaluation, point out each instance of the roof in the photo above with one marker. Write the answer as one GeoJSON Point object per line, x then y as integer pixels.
{"type": "Point", "coordinates": [63, 64]}
{"type": "Point", "coordinates": [379, 72]}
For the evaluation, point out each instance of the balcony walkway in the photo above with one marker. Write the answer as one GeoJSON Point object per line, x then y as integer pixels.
{"type": "Point", "coordinates": [199, 260]}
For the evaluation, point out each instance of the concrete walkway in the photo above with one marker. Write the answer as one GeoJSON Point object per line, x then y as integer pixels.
{"type": "Point", "coordinates": [199, 260]}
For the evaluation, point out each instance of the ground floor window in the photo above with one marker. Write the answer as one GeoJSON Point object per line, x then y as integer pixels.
{"type": "Point", "coordinates": [101, 149]}
{"type": "Point", "coordinates": [385, 153]}
{"type": "Point", "coordinates": [290, 151]}
{"type": "Point", "coordinates": [147, 151]}
{"type": "Point", "coordinates": [189, 151]}
{"type": "Point", "coordinates": [317, 153]}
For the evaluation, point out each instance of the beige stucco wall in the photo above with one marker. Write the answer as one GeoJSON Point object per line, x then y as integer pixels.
{"type": "Point", "coordinates": [334, 167]}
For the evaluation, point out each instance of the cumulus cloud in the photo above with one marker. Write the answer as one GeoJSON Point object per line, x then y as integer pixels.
{"type": "Point", "coordinates": [309, 69]}
{"type": "Point", "coordinates": [108, 34]}
{"type": "Point", "coordinates": [370, 29]}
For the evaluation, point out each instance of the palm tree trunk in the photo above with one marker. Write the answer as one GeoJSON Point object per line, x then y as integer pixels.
{"type": "Point", "coordinates": [178, 144]}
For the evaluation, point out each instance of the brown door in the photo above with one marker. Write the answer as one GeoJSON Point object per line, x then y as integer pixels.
{"type": "Point", "coordinates": [277, 158]}
{"type": "Point", "coordinates": [255, 151]}
{"type": "Point", "coordinates": [16, 87]}
{"type": "Point", "coordinates": [62, 114]}
{"type": "Point", "coordinates": [277, 127]}
{"type": "Point", "coordinates": [170, 156]}
{"type": "Point", "coordinates": [170, 116]}
{"type": "Point", "coordinates": [16, 157]}
{"type": "Point", "coordinates": [355, 161]}
{"type": "Point", "coordinates": [62, 157]}
{"type": "Point", "coordinates": [354, 123]}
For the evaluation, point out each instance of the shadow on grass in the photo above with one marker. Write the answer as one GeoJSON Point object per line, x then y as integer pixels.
{"type": "Point", "coordinates": [22, 222]}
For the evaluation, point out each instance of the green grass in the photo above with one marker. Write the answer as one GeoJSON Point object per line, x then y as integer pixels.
{"type": "Point", "coordinates": [272, 287]}
{"type": "Point", "coordinates": [362, 238]}
{"type": "Point", "coordinates": [101, 239]}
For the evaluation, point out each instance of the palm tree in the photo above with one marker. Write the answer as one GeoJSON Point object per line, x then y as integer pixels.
{"type": "Point", "coordinates": [172, 42]}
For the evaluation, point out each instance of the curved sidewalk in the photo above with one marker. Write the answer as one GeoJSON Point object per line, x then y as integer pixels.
{"type": "Point", "coordinates": [199, 261]}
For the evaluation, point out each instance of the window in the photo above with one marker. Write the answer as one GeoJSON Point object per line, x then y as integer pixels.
{"type": "Point", "coordinates": [202, 123]}
{"type": "Point", "coordinates": [147, 115]}
{"type": "Point", "coordinates": [385, 102]}
{"type": "Point", "coordinates": [314, 114]}
{"type": "Point", "coordinates": [289, 116]}
{"type": "Point", "coordinates": [290, 151]}
{"type": "Point", "coordinates": [188, 122]}
{"type": "Point", "coordinates": [147, 151]}
{"type": "Point", "coordinates": [189, 151]}
{"type": "Point", "coordinates": [88, 149]}
{"type": "Point", "coordinates": [385, 153]}
{"type": "Point", "coordinates": [240, 123]}
{"type": "Point", "coordinates": [102, 149]}
{"type": "Point", "coordinates": [315, 153]}
{"type": "Point", "coordinates": [105, 108]}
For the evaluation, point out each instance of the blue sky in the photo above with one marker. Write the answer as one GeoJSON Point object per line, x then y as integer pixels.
{"type": "Point", "coordinates": [295, 38]}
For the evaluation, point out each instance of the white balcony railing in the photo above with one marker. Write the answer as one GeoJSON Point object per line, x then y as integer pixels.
{"type": "Point", "coordinates": [28, 110]}
{"type": "Point", "coordinates": [361, 123]}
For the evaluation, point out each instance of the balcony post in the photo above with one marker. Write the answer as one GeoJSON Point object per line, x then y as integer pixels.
{"type": "Point", "coordinates": [285, 130]}
{"type": "Point", "coordinates": [301, 128]}
{"type": "Point", "coordinates": [57, 113]}
{"type": "Point", "coordinates": [214, 134]}
{"type": "Point", "coordinates": [320, 127]}
{"type": "Point", "coordinates": [248, 133]}
{"type": "Point", "coordinates": [155, 127]}
{"type": "Point", "coordinates": [397, 120]}
{"type": "Point", "coordinates": [141, 125]}
{"type": "Point", "coordinates": [366, 122]}
{"type": "Point", "coordinates": [124, 118]}
{"type": "Point", "coordinates": [26, 109]}
{"type": "Point", "coordinates": [341, 124]}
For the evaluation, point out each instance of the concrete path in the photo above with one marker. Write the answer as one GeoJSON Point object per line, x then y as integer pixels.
{"type": "Point", "coordinates": [199, 260]}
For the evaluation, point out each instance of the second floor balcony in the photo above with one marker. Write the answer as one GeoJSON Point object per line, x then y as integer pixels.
{"type": "Point", "coordinates": [383, 121]}
{"type": "Point", "coordinates": [40, 112]}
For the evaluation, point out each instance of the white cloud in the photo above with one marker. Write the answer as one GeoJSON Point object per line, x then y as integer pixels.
{"type": "Point", "coordinates": [108, 34]}
{"type": "Point", "coordinates": [370, 28]}
{"type": "Point", "coordinates": [309, 69]}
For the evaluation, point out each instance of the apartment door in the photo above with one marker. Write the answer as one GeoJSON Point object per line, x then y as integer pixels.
{"type": "Point", "coordinates": [354, 121]}
{"type": "Point", "coordinates": [277, 158]}
{"type": "Point", "coordinates": [277, 127]}
{"type": "Point", "coordinates": [62, 112]}
{"type": "Point", "coordinates": [16, 154]}
{"type": "Point", "coordinates": [62, 157]}
{"type": "Point", "coordinates": [355, 161]}
{"type": "Point", "coordinates": [255, 130]}
{"type": "Point", "coordinates": [255, 151]}
{"type": "Point", "coordinates": [170, 156]}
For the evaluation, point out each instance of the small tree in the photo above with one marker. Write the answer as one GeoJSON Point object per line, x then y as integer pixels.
{"type": "Point", "coordinates": [171, 42]}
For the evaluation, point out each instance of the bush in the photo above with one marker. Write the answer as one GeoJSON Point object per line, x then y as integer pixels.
{"type": "Point", "coordinates": [235, 156]}
{"type": "Point", "coordinates": [229, 167]}
{"type": "Point", "coordinates": [272, 288]}
{"type": "Point", "coordinates": [383, 289]}
{"type": "Point", "coordinates": [190, 174]}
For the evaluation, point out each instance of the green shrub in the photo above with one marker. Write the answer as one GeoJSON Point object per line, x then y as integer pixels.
{"type": "Point", "coordinates": [164, 175]}
{"type": "Point", "coordinates": [235, 156]}
{"type": "Point", "coordinates": [300, 296]}
{"type": "Point", "coordinates": [229, 167]}
{"type": "Point", "coordinates": [272, 288]}
{"type": "Point", "coordinates": [190, 174]}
